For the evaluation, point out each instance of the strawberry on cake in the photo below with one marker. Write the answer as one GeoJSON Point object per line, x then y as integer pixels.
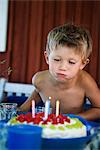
{"type": "Point", "coordinates": [53, 127]}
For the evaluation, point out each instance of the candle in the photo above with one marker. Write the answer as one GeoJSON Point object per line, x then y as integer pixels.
{"type": "Point", "coordinates": [47, 108]}
{"type": "Point", "coordinates": [33, 108]}
{"type": "Point", "coordinates": [57, 108]}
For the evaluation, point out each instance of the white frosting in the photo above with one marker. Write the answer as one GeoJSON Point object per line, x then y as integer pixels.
{"type": "Point", "coordinates": [67, 133]}
{"type": "Point", "coordinates": [64, 132]}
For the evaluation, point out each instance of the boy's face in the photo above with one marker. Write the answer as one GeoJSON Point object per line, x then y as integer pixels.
{"type": "Point", "coordinates": [64, 63]}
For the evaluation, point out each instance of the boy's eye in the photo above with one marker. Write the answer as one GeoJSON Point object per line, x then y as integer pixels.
{"type": "Point", "coordinates": [71, 62]}
{"type": "Point", "coordinates": [56, 59]}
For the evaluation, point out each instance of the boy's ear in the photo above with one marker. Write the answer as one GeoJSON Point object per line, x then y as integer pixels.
{"type": "Point", "coordinates": [46, 56]}
{"type": "Point", "coordinates": [87, 61]}
{"type": "Point", "coordinates": [84, 63]}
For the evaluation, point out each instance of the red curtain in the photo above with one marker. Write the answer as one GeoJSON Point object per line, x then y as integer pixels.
{"type": "Point", "coordinates": [28, 25]}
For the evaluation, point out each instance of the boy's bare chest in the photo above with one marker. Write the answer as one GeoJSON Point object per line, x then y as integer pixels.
{"type": "Point", "coordinates": [70, 99]}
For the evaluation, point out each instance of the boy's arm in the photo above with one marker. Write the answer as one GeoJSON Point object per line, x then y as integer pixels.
{"type": "Point", "coordinates": [28, 103]}
{"type": "Point", "coordinates": [93, 93]}
{"type": "Point", "coordinates": [36, 80]}
{"type": "Point", "coordinates": [92, 114]}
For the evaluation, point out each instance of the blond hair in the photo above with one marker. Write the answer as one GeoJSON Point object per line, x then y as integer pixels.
{"type": "Point", "coordinates": [71, 36]}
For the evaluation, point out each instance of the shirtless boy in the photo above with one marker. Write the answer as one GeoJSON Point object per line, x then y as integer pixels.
{"type": "Point", "coordinates": [67, 53]}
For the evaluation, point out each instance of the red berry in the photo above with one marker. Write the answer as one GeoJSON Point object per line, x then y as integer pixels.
{"type": "Point", "coordinates": [29, 114]}
{"type": "Point", "coordinates": [28, 119]}
{"type": "Point", "coordinates": [60, 116]}
{"type": "Point", "coordinates": [21, 118]}
{"type": "Point", "coordinates": [54, 121]}
{"type": "Point", "coordinates": [45, 122]}
{"type": "Point", "coordinates": [51, 116]}
{"type": "Point", "coordinates": [65, 118]}
{"type": "Point", "coordinates": [37, 120]}
{"type": "Point", "coordinates": [40, 114]}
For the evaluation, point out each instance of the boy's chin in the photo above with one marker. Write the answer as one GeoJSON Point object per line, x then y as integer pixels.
{"type": "Point", "coordinates": [63, 79]}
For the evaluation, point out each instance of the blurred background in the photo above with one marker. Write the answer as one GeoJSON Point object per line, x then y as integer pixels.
{"type": "Point", "coordinates": [28, 23]}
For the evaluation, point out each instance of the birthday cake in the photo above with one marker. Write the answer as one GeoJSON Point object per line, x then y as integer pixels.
{"type": "Point", "coordinates": [53, 127]}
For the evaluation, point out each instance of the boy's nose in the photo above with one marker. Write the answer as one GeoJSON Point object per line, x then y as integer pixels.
{"type": "Point", "coordinates": [63, 66]}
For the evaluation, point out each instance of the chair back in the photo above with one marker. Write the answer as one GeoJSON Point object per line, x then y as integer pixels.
{"type": "Point", "coordinates": [18, 89]}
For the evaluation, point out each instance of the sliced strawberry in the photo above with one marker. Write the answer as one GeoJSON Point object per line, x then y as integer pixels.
{"type": "Point", "coordinates": [60, 116]}
{"type": "Point", "coordinates": [61, 121]}
{"type": "Point", "coordinates": [37, 121]}
{"type": "Point", "coordinates": [54, 121]}
{"type": "Point", "coordinates": [67, 120]}
{"type": "Point", "coordinates": [29, 114]}
{"type": "Point", "coordinates": [21, 119]}
{"type": "Point", "coordinates": [51, 116]}
{"type": "Point", "coordinates": [49, 120]}
{"type": "Point", "coordinates": [45, 121]}
{"type": "Point", "coordinates": [28, 119]}
{"type": "Point", "coordinates": [40, 114]}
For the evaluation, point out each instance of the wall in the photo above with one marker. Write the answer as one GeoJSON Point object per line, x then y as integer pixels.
{"type": "Point", "coordinates": [28, 25]}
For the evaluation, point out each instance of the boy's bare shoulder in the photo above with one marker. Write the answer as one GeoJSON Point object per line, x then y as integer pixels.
{"type": "Point", "coordinates": [87, 80]}
{"type": "Point", "coordinates": [39, 77]}
{"type": "Point", "coordinates": [91, 89]}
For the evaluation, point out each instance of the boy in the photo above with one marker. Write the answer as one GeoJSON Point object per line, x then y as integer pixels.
{"type": "Point", "coordinates": [67, 53]}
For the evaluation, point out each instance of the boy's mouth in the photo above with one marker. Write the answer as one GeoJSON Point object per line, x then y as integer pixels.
{"type": "Point", "coordinates": [61, 75]}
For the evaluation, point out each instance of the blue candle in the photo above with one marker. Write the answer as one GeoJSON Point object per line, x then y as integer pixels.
{"type": "Point", "coordinates": [47, 108]}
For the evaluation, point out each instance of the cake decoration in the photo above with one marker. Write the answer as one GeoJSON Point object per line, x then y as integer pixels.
{"type": "Point", "coordinates": [53, 127]}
